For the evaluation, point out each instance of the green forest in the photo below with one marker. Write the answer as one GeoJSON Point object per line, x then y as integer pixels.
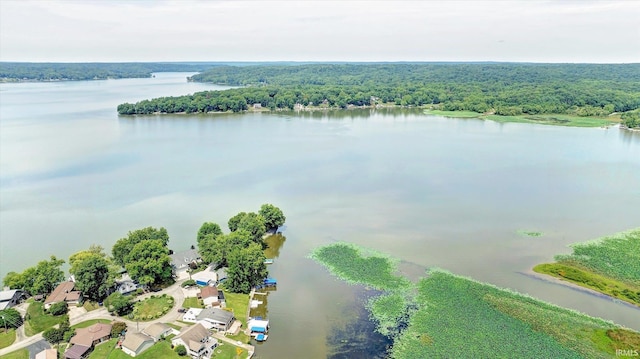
{"type": "Point", "coordinates": [507, 89]}
{"type": "Point", "coordinates": [43, 71]}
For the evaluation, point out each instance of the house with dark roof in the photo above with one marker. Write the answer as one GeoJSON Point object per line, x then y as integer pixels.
{"type": "Point", "coordinates": [216, 318]}
{"type": "Point", "coordinates": [197, 340]}
{"type": "Point", "coordinates": [63, 293]}
{"type": "Point", "coordinates": [10, 298]}
{"type": "Point", "coordinates": [136, 343]}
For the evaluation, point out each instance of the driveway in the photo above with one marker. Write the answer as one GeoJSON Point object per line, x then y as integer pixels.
{"type": "Point", "coordinates": [37, 347]}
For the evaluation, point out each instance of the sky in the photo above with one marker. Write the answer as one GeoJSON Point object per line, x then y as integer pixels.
{"type": "Point", "coordinates": [518, 31]}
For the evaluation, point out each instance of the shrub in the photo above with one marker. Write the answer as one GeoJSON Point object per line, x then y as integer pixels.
{"type": "Point", "coordinates": [188, 283]}
{"type": "Point", "coordinates": [58, 308]}
{"type": "Point", "coordinates": [117, 328]}
{"type": "Point", "coordinates": [150, 316]}
{"type": "Point", "coordinates": [68, 335]}
{"type": "Point", "coordinates": [53, 335]}
{"type": "Point", "coordinates": [181, 350]}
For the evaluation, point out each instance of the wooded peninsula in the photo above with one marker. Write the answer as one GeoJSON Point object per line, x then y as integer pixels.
{"type": "Point", "coordinates": [610, 91]}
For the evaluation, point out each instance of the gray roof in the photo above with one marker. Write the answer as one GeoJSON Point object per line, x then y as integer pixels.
{"type": "Point", "coordinates": [182, 259]}
{"type": "Point", "coordinates": [156, 329]}
{"type": "Point", "coordinates": [196, 333]}
{"type": "Point", "coordinates": [9, 294]}
{"type": "Point", "coordinates": [216, 314]}
{"type": "Point", "coordinates": [133, 341]}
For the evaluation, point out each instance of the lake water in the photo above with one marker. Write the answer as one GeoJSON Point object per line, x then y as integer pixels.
{"type": "Point", "coordinates": [431, 191]}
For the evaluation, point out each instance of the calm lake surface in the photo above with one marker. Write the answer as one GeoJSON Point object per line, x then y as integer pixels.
{"type": "Point", "coordinates": [431, 191]}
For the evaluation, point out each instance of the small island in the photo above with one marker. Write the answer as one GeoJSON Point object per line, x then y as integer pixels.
{"type": "Point", "coordinates": [586, 95]}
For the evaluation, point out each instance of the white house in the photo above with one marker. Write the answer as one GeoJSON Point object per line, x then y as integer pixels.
{"type": "Point", "coordinates": [181, 261]}
{"type": "Point", "coordinates": [191, 315]}
{"type": "Point", "coordinates": [10, 298]}
{"type": "Point", "coordinates": [197, 340]}
{"type": "Point", "coordinates": [136, 343]}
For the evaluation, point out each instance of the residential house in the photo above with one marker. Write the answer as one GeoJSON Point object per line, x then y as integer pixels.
{"type": "Point", "coordinates": [209, 296]}
{"type": "Point", "coordinates": [47, 354]}
{"type": "Point", "coordinates": [86, 338]}
{"type": "Point", "coordinates": [136, 343]}
{"type": "Point", "coordinates": [191, 315]}
{"type": "Point", "coordinates": [157, 330]}
{"type": "Point", "coordinates": [196, 340]}
{"type": "Point", "coordinates": [210, 318]}
{"type": "Point", "coordinates": [63, 293]}
{"type": "Point", "coordinates": [181, 261]}
{"type": "Point", "coordinates": [205, 277]}
{"type": "Point", "coordinates": [10, 298]}
{"type": "Point", "coordinates": [126, 287]}
{"type": "Point", "coordinates": [216, 318]}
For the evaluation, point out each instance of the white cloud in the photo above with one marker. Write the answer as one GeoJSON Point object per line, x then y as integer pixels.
{"type": "Point", "coordinates": [542, 31]}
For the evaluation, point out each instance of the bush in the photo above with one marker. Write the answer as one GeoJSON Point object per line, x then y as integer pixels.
{"type": "Point", "coordinates": [181, 350]}
{"type": "Point", "coordinates": [117, 328]}
{"type": "Point", "coordinates": [188, 283]}
{"type": "Point", "coordinates": [139, 291]}
{"type": "Point", "coordinates": [58, 308]}
{"type": "Point", "coordinates": [68, 335]}
{"type": "Point", "coordinates": [53, 335]}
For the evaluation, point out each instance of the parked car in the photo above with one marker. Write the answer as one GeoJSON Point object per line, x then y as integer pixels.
{"type": "Point", "coordinates": [182, 310]}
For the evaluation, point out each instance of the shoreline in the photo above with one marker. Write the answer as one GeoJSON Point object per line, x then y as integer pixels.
{"type": "Point", "coordinates": [574, 286]}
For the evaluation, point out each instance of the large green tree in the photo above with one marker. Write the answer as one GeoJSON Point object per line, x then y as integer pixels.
{"type": "Point", "coordinates": [118, 303]}
{"type": "Point", "coordinates": [10, 318]}
{"type": "Point", "coordinates": [273, 216]}
{"type": "Point", "coordinates": [235, 221]}
{"type": "Point", "coordinates": [149, 262]}
{"type": "Point", "coordinates": [250, 222]}
{"type": "Point", "coordinates": [246, 268]}
{"type": "Point", "coordinates": [93, 277]}
{"type": "Point", "coordinates": [41, 279]}
{"type": "Point", "coordinates": [217, 249]}
{"type": "Point", "coordinates": [77, 258]}
{"type": "Point", "coordinates": [208, 228]}
{"type": "Point", "coordinates": [124, 246]}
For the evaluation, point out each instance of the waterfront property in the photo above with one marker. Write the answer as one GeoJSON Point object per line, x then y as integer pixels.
{"type": "Point", "coordinates": [136, 343]}
{"type": "Point", "coordinates": [10, 298]}
{"type": "Point", "coordinates": [64, 292]}
{"type": "Point", "coordinates": [182, 261]}
{"type": "Point", "coordinates": [206, 277]}
{"type": "Point", "coordinates": [258, 326]}
{"type": "Point", "coordinates": [197, 340]}
{"type": "Point", "coordinates": [211, 318]}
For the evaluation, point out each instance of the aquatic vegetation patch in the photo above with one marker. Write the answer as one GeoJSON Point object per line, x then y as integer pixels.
{"type": "Point", "coordinates": [460, 317]}
{"type": "Point", "coordinates": [392, 312]}
{"type": "Point", "coordinates": [616, 256]}
{"type": "Point", "coordinates": [357, 265]}
{"type": "Point", "coordinates": [526, 233]}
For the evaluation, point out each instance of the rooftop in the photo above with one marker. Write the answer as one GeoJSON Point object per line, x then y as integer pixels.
{"type": "Point", "coordinates": [60, 293]}
{"type": "Point", "coordinates": [133, 341]}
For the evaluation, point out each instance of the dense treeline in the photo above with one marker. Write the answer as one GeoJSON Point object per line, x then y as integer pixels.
{"type": "Point", "coordinates": [32, 71]}
{"type": "Point", "coordinates": [503, 89]}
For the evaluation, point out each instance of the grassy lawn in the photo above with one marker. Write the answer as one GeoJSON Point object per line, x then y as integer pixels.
{"type": "Point", "coordinates": [38, 320]}
{"type": "Point", "coordinates": [192, 302]}
{"type": "Point", "coordinates": [7, 338]}
{"type": "Point", "coordinates": [107, 350]}
{"type": "Point", "coordinates": [228, 351]}
{"type": "Point", "coordinates": [90, 322]}
{"type": "Point", "coordinates": [153, 307]}
{"type": "Point", "coordinates": [18, 354]}
{"type": "Point", "coordinates": [238, 304]}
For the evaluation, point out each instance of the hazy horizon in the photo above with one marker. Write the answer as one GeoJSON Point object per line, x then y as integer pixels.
{"type": "Point", "coordinates": [320, 31]}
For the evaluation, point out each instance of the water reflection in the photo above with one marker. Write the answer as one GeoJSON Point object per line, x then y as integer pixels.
{"type": "Point", "coordinates": [354, 336]}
